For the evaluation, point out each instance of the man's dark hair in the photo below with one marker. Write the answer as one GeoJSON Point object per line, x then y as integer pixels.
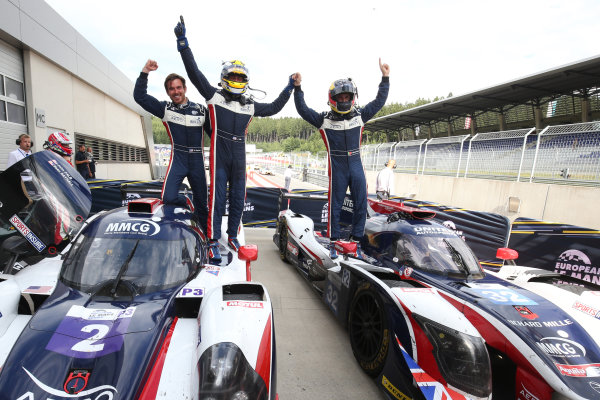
{"type": "Point", "coordinates": [172, 77]}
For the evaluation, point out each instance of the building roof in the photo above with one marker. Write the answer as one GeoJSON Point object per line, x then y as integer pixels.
{"type": "Point", "coordinates": [571, 79]}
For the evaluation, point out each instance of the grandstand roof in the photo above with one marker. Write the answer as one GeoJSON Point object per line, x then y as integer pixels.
{"type": "Point", "coordinates": [569, 79]}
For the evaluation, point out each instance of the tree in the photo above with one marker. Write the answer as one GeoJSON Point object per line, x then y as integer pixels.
{"type": "Point", "coordinates": [159, 132]}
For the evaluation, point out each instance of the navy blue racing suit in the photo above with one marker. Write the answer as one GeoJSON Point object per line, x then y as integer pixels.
{"type": "Point", "coordinates": [342, 134]}
{"type": "Point", "coordinates": [185, 124]}
{"type": "Point", "coordinates": [230, 116]}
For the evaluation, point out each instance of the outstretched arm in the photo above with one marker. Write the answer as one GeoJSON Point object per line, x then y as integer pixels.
{"type": "Point", "coordinates": [140, 90]}
{"type": "Point", "coordinates": [373, 107]}
{"type": "Point", "coordinates": [307, 113]}
{"type": "Point", "coordinates": [191, 68]}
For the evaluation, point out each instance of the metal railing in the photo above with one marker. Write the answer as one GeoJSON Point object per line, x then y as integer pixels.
{"type": "Point", "coordinates": [567, 154]}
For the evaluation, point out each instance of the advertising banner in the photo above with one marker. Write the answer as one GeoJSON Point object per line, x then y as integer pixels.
{"type": "Point", "coordinates": [564, 249]}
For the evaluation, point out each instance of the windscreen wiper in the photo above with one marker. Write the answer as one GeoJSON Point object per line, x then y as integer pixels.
{"type": "Point", "coordinates": [123, 269]}
{"type": "Point", "coordinates": [457, 258]}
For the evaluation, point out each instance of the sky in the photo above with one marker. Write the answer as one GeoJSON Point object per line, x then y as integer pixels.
{"type": "Point", "coordinates": [433, 48]}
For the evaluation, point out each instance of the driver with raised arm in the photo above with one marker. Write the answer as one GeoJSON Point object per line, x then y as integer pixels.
{"type": "Point", "coordinates": [341, 130]}
{"type": "Point", "coordinates": [230, 113]}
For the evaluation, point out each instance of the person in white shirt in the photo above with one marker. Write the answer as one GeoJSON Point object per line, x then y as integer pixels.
{"type": "Point", "coordinates": [287, 175]}
{"type": "Point", "coordinates": [24, 150]}
{"type": "Point", "coordinates": [385, 181]}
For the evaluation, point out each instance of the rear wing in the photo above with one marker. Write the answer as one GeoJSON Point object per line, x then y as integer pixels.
{"type": "Point", "coordinates": [390, 207]}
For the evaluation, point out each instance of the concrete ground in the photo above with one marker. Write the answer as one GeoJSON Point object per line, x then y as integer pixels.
{"type": "Point", "coordinates": [314, 357]}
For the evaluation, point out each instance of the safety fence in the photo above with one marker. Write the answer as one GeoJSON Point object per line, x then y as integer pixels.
{"type": "Point", "coordinates": [566, 154]}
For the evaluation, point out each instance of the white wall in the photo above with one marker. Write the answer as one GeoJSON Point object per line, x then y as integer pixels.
{"type": "Point", "coordinates": [575, 205]}
{"type": "Point", "coordinates": [77, 107]}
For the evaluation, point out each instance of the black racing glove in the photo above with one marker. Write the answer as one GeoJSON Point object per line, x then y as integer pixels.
{"type": "Point", "coordinates": [290, 85]}
{"type": "Point", "coordinates": [182, 42]}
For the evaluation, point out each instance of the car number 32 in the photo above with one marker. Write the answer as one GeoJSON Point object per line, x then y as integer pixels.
{"type": "Point", "coordinates": [505, 296]}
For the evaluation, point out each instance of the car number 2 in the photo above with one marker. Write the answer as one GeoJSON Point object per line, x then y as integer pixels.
{"type": "Point", "coordinates": [91, 344]}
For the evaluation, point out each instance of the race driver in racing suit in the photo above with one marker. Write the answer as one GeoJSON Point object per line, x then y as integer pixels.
{"type": "Point", "coordinates": [341, 130]}
{"type": "Point", "coordinates": [185, 123]}
{"type": "Point", "coordinates": [230, 114]}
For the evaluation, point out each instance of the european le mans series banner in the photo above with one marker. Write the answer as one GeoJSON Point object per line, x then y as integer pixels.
{"type": "Point", "coordinates": [564, 249]}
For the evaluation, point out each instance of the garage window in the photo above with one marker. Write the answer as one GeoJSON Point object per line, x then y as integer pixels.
{"type": "Point", "coordinates": [12, 100]}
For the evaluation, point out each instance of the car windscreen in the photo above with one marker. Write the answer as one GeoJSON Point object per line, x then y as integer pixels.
{"type": "Point", "coordinates": [148, 265]}
{"type": "Point", "coordinates": [45, 199]}
{"type": "Point", "coordinates": [440, 253]}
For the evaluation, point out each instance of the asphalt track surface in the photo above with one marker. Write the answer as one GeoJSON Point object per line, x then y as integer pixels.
{"type": "Point", "coordinates": [314, 357]}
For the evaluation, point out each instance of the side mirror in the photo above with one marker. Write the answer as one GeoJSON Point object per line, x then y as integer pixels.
{"type": "Point", "coordinates": [248, 253]}
{"type": "Point", "coordinates": [504, 253]}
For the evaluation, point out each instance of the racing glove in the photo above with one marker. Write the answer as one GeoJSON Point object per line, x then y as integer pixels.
{"type": "Point", "coordinates": [182, 42]}
{"type": "Point", "coordinates": [290, 86]}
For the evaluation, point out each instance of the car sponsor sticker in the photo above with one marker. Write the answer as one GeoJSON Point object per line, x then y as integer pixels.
{"type": "Point", "coordinates": [579, 371]}
{"type": "Point", "coordinates": [561, 347]}
{"type": "Point", "coordinates": [38, 290]}
{"type": "Point", "coordinates": [414, 290]}
{"type": "Point", "coordinates": [133, 226]}
{"type": "Point", "coordinates": [499, 294]}
{"type": "Point", "coordinates": [525, 394]}
{"type": "Point", "coordinates": [191, 292]}
{"type": "Point", "coordinates": [586, 309]}
{"type": "Point", "coordinates": [27, 233]}
{"type": "Point", "coordinates": [90, 333]}
{"type": "Point", "coordinates": [525, 312]}
{"type": "Point", "coordinates": [393, 389]}
{"type": "Point", "coordinates": [541, 324]}
{"type": "Point", "coordinates": [595, 385]}
{"type": "Point", "coordinates": [76, 381]}
{"type": "Point", "coordinates": [212, 270]}
{"type": "Point", "coordinates": [95, 393]}
{"type": "Point", "coordinates": [292, 249]}
{"type": "Point", "coordinates": [246, 304]}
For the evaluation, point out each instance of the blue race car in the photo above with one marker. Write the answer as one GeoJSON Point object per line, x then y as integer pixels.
{"type": "Point", "coordinates": [425, 320]}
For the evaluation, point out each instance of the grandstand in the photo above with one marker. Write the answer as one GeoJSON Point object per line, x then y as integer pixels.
{"type": "Point", "coordinates": [564, 95]}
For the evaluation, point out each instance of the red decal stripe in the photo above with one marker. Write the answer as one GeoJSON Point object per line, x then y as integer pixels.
{"type": "Point", "coordinates": [162, 192]}
{"type": "Point", "coordinates": [212, 170]}
{"type": "Point", "coordinates": [324, 137]}
{"type": "Point", "coordinates": [151, 387]}
{"type": "Point", "coordinates": [263, 360]}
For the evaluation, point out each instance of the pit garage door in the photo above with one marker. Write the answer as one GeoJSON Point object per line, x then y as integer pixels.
{"type": "Point", "coordinates": [12, 100]}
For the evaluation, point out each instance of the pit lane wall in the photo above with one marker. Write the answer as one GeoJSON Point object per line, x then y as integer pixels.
{"type": "Point", "coordinates": [566, 204]}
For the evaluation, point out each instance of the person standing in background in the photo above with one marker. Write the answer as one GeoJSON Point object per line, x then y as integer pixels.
{"type": "Point", "coordinates": [82, 163]}
{"type": "Point", "coordinates": [92, 163]}
{"type": "Point", "coordinates": [385, 181]}
{"type": "Point", "coordinates": [287, 175]}
{"type": "Point", "coordinates": [24, 150]}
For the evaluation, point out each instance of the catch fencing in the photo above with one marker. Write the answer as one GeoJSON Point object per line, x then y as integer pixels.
{"type": "Point", "coordinates": [565, 154]}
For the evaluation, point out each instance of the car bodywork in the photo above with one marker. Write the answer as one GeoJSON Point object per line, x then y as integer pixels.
{"type": "Point", "coordinates": [425, 320]}
{"type": "Point", "coordinates": [132, 310]}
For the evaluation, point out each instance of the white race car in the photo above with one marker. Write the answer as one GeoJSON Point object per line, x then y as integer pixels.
{"type": "Point", "coordinates": [132, 310]}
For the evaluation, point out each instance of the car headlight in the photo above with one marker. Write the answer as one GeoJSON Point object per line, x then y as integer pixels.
{"type": "Point", "coordinates": [225, 374]}
{"type": "Point", "coordinates": [463, 359]}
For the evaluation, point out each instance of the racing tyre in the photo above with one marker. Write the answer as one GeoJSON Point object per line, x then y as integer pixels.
{"type": "Point", "coordinates": [368, 329]}
{"type": "Point", "coordinates": [283, 240]}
